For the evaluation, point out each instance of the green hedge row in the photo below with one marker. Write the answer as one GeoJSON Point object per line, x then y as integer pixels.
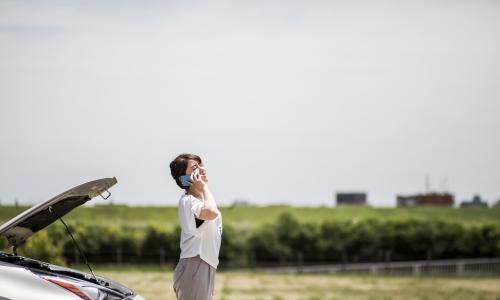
{"type": "Point", "coordinates": [285, 241]}
{"type": "Point", "coordinates": [373, 240]}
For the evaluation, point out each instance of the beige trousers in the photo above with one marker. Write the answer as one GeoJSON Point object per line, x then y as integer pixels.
{"type": "Point", "coordinates": [194, 279]}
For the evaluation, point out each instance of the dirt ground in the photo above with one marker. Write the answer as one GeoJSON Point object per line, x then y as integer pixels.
{"type": "Point", "coordinates": [157, 285]}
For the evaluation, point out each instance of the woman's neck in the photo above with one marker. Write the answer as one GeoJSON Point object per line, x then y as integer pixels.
{"type": "Point", "coordinates": [193, 192]}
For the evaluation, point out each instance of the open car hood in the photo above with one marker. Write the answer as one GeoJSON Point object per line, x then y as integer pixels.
{"type": "Point", "coordinates": [18, 229]}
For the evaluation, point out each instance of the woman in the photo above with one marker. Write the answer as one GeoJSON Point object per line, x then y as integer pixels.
{"type": "Point", "coordinates": [201, 230]}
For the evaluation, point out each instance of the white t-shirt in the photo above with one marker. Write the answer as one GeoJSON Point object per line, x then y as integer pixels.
{"type": "Point", "coordinates": [204, 240]}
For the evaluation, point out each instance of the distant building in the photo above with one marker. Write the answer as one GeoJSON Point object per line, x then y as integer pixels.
{"type": "Point", "coordinates": [351, 199]}
{"type": "Point", "coordinates": [475, 202]}
{"type": "Point", "coordinates": [432, 199]}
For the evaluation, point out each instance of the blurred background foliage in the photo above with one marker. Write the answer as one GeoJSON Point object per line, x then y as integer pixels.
{"type": "Point", "coordinates": [287, 240]}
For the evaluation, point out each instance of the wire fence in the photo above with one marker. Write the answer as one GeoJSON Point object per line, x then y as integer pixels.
{"type": "Point", "coordinates": [455, 267]}
{"type": "Point", "coordinates": [120, 256]}
{"type": "Point", "coordinates": [161, 257]}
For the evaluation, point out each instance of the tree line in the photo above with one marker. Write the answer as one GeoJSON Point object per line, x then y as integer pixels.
{"type": "Point", "coordinates": [285, 241]}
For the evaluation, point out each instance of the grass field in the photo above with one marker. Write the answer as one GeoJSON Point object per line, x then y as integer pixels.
{"type": "Point", "coordinates": [156, 285]}
{"type": "Point", "coordinates": [248, 217]}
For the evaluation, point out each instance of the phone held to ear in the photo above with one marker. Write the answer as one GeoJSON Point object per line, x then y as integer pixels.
{"type": "Point", "coordinates": [185, 180]}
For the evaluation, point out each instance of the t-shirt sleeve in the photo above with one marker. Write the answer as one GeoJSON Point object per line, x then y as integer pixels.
{"type": "Point", "coordinates": [189, 207]}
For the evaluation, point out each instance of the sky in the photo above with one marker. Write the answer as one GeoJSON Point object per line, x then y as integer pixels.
{"type": "Point", "coordinates": [287, 102]}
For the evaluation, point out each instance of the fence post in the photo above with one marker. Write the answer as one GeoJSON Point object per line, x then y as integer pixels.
{"type": "Point", "coordinates": [162, 257]}
{"type": "Point", "coordinates": [253, 259]}
{"type": "Point", "coordinates": [119, 255]}
{"type": "Point", "coordinates": [460, 268]}
{"type": "Point", "coordinates": [344, 261]}
{"type": "Point", "coordinates": [388, 254]}
{"type": "Point", "coordinates": [300, 262]}
{"type": "Point", "coordinates": [416, 269]}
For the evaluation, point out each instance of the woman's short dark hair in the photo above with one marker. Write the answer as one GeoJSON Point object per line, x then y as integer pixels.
{"type": "Point", "coordinates": [179, 164]}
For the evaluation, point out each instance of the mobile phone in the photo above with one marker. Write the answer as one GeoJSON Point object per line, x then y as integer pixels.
{"type": "Point", "coordinates": [185, 180]}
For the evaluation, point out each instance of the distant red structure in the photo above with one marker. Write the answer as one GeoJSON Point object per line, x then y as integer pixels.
{"type": "Point", "coordinates": [429, 199]}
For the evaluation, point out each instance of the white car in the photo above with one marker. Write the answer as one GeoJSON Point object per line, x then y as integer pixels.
{"type": "Point", "coordinates": [23, 278]}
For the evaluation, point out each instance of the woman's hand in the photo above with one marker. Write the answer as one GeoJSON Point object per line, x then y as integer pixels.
{"type": "Point", "coordinates": [203, 173]}
{"type": "Point", "coordinates": [197, 180]}
{"type": "Point", "coordinates": [199, 186]}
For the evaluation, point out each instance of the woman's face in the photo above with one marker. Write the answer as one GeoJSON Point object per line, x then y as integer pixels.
{"type": "Point", "coordinates": [194, 165]}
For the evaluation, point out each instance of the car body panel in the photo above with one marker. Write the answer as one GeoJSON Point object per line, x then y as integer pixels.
{"type": "Point", "coordinates": [18, 229]}
{"type": "Point", "coordinates": [18, 283]}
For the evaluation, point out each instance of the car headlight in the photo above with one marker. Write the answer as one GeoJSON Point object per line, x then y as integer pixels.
{"type": "Point", "coordinates": [84, 292]}
{"type": "Point", "coordinates": [97, 294]}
